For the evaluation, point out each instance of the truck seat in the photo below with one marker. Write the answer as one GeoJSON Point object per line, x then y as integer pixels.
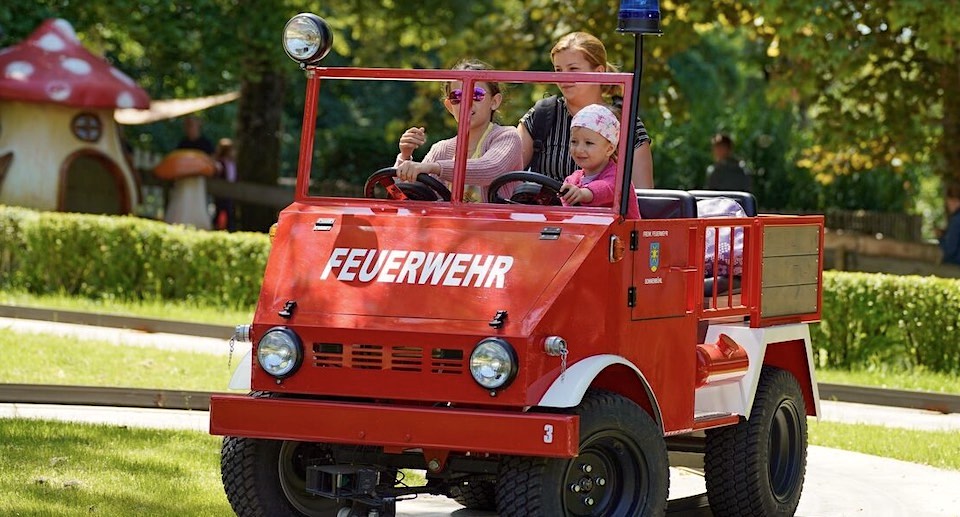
{"type": "Point", "coordinates": [723, 285]}
{"type": "Point", "coordinates": [746, 200]}
{"type": "Point", "coordinates": [666, 204]}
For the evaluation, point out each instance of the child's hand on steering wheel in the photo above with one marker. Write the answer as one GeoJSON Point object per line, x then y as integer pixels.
{"type": "Point", "coordinates": [409, 170]}
{"type": "Point", "coordinates": [572, 194]}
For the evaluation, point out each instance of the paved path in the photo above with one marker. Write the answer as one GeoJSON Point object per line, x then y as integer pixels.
{"type": "Point", "coordinates": [920, 419]}
{"type": "Point", "coordinates": [124, 336]}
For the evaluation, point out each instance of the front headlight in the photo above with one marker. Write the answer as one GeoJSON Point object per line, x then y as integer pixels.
{"type": "Point", "coordinates": [493, 363]}
{"type": "Point", "coordinates": [279, 352]}
{"type": "Point", "coordinates": [307, 38]}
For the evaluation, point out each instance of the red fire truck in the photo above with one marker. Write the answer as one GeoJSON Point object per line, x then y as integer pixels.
{"type": "Point", "coordinates": [533, 359]}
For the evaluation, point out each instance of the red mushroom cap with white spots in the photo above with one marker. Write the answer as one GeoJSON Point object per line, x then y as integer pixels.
{"type": "Point", "coordinates": [52, 66]}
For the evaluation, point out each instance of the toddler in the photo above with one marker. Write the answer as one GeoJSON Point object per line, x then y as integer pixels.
{"type": "Point", "coordinates": [594, 134]}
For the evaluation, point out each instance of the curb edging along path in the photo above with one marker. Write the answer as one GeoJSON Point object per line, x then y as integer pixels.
{"type": "Point", "coordinates": [115, 321]}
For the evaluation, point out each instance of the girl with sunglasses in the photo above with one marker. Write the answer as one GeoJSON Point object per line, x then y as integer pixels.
{"type": "Point", "coordinates": [492, 149]}
{"type": "Point", "coordinates": [545, 128]}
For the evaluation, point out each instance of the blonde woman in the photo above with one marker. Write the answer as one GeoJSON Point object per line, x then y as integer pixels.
{"type": "Point", "coordinates": [545, 128]}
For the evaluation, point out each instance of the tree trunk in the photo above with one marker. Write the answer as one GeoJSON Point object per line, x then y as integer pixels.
{"type": "Point", "coordinates": [950, 142]}
{"type": "Point", "coordinates": [258, 138]}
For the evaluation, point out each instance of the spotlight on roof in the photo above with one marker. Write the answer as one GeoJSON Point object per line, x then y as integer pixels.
{"type": "Point", "coordinates": [307, 38]}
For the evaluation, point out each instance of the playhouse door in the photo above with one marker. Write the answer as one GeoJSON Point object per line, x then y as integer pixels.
{"type": "Point", "coordinates": [92, 184]}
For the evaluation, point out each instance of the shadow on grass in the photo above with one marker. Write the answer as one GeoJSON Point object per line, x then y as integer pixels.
{"type": "Point", "coordinates": [53, 468]}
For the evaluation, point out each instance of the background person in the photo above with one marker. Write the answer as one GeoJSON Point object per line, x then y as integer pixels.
{"type": "Point", "coordinates": [193, 137]}
{"type": "Point", "coordinates": [545, 128]}
{"type": "Point", "coordinates": [950, 238]}
{"type": "Point", "coordinates": [727, 171]}
{"type": "Point", "coordinates": [225, 217]}
{"type": "Point", "coordinates": [492, 149]}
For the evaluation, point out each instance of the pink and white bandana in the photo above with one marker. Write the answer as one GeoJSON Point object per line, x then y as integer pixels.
{"type": "Point", "coordinates": [599, 118]}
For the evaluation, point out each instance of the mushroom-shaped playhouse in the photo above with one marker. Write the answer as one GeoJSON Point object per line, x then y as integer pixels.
{"type": "Point", "coordinates": [59, 145]}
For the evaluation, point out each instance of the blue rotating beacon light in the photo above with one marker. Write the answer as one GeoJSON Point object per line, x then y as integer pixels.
{"type": "Point", "coordinates": [639, 17]}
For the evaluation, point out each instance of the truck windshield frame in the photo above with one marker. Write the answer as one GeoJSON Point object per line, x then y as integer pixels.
{"type": "Point", "coordinates": [315, 75]}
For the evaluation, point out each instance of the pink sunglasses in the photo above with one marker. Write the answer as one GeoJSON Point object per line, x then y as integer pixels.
{"type": "Point", "coordinates": [455, 96]}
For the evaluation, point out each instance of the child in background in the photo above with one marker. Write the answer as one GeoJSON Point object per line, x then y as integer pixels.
{"type": "Point", "coordinates": [594, 134]}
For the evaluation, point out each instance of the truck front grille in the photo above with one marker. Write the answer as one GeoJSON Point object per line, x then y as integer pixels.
{"type": "Point", "coordinates": [396, 358]}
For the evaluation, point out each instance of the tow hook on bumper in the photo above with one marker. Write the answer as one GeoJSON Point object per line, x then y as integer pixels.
{"type": "Point", "coordinates": [343, 482]}
{"type": "Point", "coordinates": [361, 486]}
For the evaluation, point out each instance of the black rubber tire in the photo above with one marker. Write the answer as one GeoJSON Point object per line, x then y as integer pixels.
{"type": "Point", "coordinates": [624, 447]}
{"type": "Point", "coordinates": [757, 467]}
{"type": "Point", "coordinates": [476, 495]}
{"type": "Point", "coordinates": [251, 473]}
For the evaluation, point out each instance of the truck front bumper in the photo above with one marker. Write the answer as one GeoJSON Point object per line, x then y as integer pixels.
{"type": "Point", "coordinates": [395, 426]}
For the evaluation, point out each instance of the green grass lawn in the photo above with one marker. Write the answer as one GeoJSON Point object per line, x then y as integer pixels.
{"type": "Point", "coordinates": [50, 359]}
{"type": "Point", "coordinates": [165, 310]}
{"type": "Point", "coordinates": [63, 469]}
{"type": "Point", "coordinates": [60, 469]}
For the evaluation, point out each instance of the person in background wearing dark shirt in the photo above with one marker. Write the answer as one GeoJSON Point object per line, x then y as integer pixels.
{"type": "Point", "coordinates": [727, 172]}
{"type": "Point", "coordinates": [193, 136]}
{"type": "Point", "coordinates": [950, 239]}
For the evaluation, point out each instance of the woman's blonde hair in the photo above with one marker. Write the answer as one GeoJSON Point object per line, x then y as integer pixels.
{"type": "Point", "coordinates": [595, 53]}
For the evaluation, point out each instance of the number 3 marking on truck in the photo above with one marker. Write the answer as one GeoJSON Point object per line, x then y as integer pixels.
{"type": "Point", "coordinates": [548, 433]}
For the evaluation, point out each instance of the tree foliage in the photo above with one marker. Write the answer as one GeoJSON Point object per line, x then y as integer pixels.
{"type": "Point", "coordinates": [837, 103]}
{"type": "Point", "coordinates": [878, 78]}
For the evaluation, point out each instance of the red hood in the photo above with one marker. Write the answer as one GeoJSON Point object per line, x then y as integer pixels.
{"type": "Point", "coordinates": [405, 265]}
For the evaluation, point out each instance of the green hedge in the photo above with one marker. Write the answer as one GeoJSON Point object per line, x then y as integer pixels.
{"type": "Point", "coordinates": [869, 320]}
{"type": "Point", "coordinates": [878, 321]}
{"type": "Point", "coordinates": [128, 258]}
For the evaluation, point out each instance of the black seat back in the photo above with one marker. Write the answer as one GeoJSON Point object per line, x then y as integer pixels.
{"type": "Point", "coordinates": [746, 200]}
{"type": "Point", "coordinates": [666, 204]}
{"type": "Point", "coordinates": [723, 285]}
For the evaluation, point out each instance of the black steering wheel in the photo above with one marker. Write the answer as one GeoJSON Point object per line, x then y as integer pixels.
{"type": "Point", "coordinates": [534, 189]}
{"type": "Point", "coordinates": [426, 188]}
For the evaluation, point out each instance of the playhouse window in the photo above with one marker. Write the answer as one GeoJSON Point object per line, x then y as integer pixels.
{"type": "Point", "coordinates": [87, 127]}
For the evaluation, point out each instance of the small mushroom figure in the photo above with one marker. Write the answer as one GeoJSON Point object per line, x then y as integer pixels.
{"type": "Point", "coordinates": [57, 129]}
{"type": "Point", "coordinates": [188, 169]}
